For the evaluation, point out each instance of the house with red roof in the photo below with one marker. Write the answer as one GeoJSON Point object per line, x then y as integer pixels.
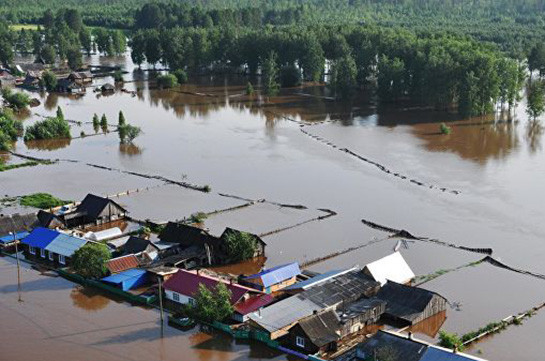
{"type": "Point", "coordinates": [183, 285]}
{"type": "Point", "coordinates": [251, 305]}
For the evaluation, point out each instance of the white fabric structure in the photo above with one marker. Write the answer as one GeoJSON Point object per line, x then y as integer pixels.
{"type": "Point", "coordinates": [390, 268]}
{"type": "Point", "coordinates": [103, 235]}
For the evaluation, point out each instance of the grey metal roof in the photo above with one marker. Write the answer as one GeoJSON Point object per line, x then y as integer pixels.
{"type": "Point", "coordinates": [65, 245]}
{"type": "Point", "coordinates": [284, 313]}
{"type": "Point", "coordinates": [359, 307]}
{"type": "Point", "coordinates": [396, 347]}
{"type": "Point", "coordinates": [321, 328]}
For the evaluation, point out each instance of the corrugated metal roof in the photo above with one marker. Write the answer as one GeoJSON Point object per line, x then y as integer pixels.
{"type": "Point", "coordinates": [121, 264]}
{"type": "Point", "coordinates": [9, 237]}
{"type": "Point", "coordinates": [392, 267]}
{"type": "Point", "coordinates": [124, 276]}
{"type": "Point", "coordinates": [315, 280]}
{"type": "Point", "coordinates": [284, 313]}
{"type": "Point", "coordinates": [400, 348]}
{"type": "Point", "coordinates": [276, 274]}
{"type": "Point", "coordinates": [321, 328]}
{"type": "Point", "coordinates": [65, 245]}
{"type": "Point", "coordinates": [253, 304]}
{"type": "Point", "coordinates": [40, 237]}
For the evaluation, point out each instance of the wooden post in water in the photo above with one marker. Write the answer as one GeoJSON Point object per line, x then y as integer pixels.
{"type": "Point", "coordinates": [18, 267]}
{"type": "Point", "coordinates": [161, 304]}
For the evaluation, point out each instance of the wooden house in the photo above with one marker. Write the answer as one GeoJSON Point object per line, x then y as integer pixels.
{"type": "Point", "coordinates": [94, 210]}
{"type": "Point", "coordinates": [51, 247]}
{"type": "Point", "coordinates": [316, 333]}
{"type": "Point", "coordinates": [408, 305]}
{"type": "Point", "coordinates": [359, 314]}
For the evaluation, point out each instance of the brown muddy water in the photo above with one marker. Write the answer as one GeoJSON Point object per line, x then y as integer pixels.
{"type": "Point", "coordinates": [249, 147]}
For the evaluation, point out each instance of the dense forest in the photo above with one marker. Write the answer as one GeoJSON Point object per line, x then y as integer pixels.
{"type": "Point", "coordinates": [465, 54]}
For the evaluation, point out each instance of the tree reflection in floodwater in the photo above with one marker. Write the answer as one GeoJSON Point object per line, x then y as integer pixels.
{"type": "Point", "coordinates": [88, 299]}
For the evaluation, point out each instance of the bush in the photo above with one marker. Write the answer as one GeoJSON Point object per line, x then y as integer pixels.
{"type": "Point", "coordinates": [249, 89]}
{"type": "Point", "coordinates": [16, 100]}
{"type": "Point", "coordinates": [212, 304]}
{"type": "Point", "coordinates": [445, 129]}
{"type": "Point", "coordinates": [89, 261]}
{"type": "Point", "coordinates": [49, 128]}
{"type": "Point", "coordinates": [167, 81]}
{"type": "Point", "coordinates": [118, 76]}
{"type": "Point", "coordinates": [240, 246]}
{"type": "Point", "coordinates": [49, 81]}
{"type": "Point", "coordinates": [181, 76]}
{"type": "Point", "coordinates": [450, 340]}
{"type": "Point", "coordinates": [198, 217]}
{"type": "Point", "coordinates": [42, 201]}
{"type": "Point", "coordinates": [290, 76]}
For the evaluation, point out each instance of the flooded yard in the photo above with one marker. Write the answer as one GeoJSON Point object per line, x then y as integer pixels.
{"type": "Point", "coordinates": [254, 148]}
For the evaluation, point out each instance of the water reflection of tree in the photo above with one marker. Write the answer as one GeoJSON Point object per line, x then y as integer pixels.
{"type": "Point", "coordinates": [88, 299]}
{"type": "Point", "coordinates": [48, 144]}
{"type": "Point", "coordinates": [51, 101]}
{"type": "Point", "coordinates": [130, 149]}
{"type": "Point", "coordinates": [534, 132]}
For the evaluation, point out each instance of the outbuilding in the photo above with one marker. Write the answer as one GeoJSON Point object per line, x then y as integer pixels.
{"type": "Point", "coordinates": [390, 268]}
{"type": "Point", "coordinates": [128, 279]}
{"type": "Point", "coordinates": [273, 279]}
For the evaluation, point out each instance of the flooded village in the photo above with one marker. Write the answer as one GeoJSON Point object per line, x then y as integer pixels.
{"type": "Point", "coordinates": [244, 227]}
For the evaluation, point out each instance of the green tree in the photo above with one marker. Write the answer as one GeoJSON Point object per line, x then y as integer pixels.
{"type": "Point", "coordinates": [96, 123]}
{"type": "Point", "coordinates": [240, 246]}
{"type": "Point", "coordinates": [73, 56]}
{"type": "Point", "coordinates": [290, 76]}
{"type": "Point", "coordinates": [270, 75]}
{"type": "Point", "coordinates": [89, 261]}
{"type": "Point", "coordinates": [49, 80]}
{"type": "Point", "coordinates": [16, 100]}
{"type": "Point", "coordinates": [536, 99]}
{"type": "Point", "coordinates": [60, 114]}
{"type": "Point", "coordinates": [167, 81]}
{"type": "Point", "coordinates": [181, 76]}
{"type": "Point", "coordinates": [343, 76]}
{"type": "Point", "coordinates": [212, 304]}
{"type": "Point", "coordinates": [10, 130]}
{"type": "Point", "coordinates": [536, 58]}
{"type": "Point", "coordinates": [49, 128]}
{"type": "Point", "coordinates": [104, 123]}
{"type": "Point", "coordinates": [450, 340]}
{"type": "Point", "coordinates": [48, 55]}
{"type": "Point", "coordinates": [249, 89]}
{"type": "Point", "coordinates": [128, 132]}
{"type": "Point", "coordinates": [121, 119]}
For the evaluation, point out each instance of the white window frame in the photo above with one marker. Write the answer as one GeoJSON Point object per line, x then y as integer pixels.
{"type": "Point", "coordinates": [300, 341]}
{"type": "Point", "coordinates": [191, 301]}
{"type": "Point", "coordinates": [32, 250]}
{"type": "Point", "coordinates": [42, 252]}
{"type": "Point", "coordinates": [62, 259]}
{"type": "Point", "coordinates": [50, 256]}
{"type": "Point", "coordinates": [175, 296]}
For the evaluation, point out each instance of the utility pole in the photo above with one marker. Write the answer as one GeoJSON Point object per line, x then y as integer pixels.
{"type": "Point", "coordinates": [18, 266]}
{"type": "Point", "coordinates": [161, 305]}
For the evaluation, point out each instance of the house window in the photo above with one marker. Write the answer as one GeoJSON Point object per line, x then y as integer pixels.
{"type": "Point", "coordinates": [62, 260]}
{"type": "Point", "coordinates": [192, 302]}
{"type": "Point", "coordinates": [175, 296]}
{"type": "Point", "coordinates": [300, 341]}
{"type": "Point", "coordinates": [42, 252]}
{"type": "Point", "coordinates": [51, 256]}
{"type": "Point", "coordinates": [32, 250]}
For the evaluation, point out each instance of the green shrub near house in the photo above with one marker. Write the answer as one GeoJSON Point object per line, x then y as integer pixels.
{"type": "Point", "coordinates": [90, 260]}
{"type": "Point", "coordinates": [211, 304]}
{"type": "Point", "coordinates": [166, 81]}
{"type": "Point", "coordinates": [16, 100]}
{"type": "Point", "coordinates": [240, 246]}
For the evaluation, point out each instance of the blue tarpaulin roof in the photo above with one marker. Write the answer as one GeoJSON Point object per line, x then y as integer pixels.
{"type": "Point", "coordinates": [436, 354]}
{"type": "Point", "coordinates": [127, 279]}
{"type": "Point", "coordinates": [65, 245]}
{"type": "Point", "coordinates": [277, 274]}
{"type": "Point", "coordinates": [9, 238]}
{"type": "Point", "coordinates": [40, 237]}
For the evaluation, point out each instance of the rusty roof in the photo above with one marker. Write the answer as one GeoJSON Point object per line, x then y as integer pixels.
{"type": "Point", "coordinates": [121, 264]}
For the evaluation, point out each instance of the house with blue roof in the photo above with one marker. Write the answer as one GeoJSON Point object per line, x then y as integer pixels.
{"type": "Point", "coordinates": [50, 246]}
{"type": "Point", "coordinates": [273, 279]}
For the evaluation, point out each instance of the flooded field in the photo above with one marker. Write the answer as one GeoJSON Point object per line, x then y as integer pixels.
{"type": "Point", "coordinates": [480, 186]}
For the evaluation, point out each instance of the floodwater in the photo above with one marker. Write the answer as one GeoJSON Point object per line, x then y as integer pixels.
{"type": "Point", "coordinates": [247, 147]}
{"type": "Point", "coordinates": [60, 320]}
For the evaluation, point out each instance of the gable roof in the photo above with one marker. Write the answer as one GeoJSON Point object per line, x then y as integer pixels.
{"type": "Point", "coordinates": [136, 245]}
{"type": "Point", "coordinates": [187, 283]}
{"type": "Point", "coordinates": [40, 237]}
{"type": "Point", "coordinates": [17, 223]}
{"type": "Point", "coordinates": [392, 267]}
{"type": "Point", "coordinates": [65, 245]}
{"type": "Point", "coordinates": [398, 348]}
{"type": "Point", "coordinates": [46, 218]}
{"type": "Point", "coordinates": [10, 237]}
{"type": "Point", "coordinates": [405, 301]}
{"type": "Point", "coordinates": [253, 304]}
{"type": "Point", "coordinates": [92, 205]}
{"type": "Point", "coordinates": [120, 264]}
{"type": "Point", "coordinates": [276, 274]}
{"type": "Point", "coordinates": [227, 231]}
{"type": "Point", "coordinates": [321, 328]}
{"type": "Point", "coordinates": [185, 235]}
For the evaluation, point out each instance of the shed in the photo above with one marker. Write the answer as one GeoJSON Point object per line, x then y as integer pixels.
{"type": "Point", "coordinates": [118, 242]}
{"type": "Point", "coordinates": [315, 280]}
{"type": "Point", "coordinates": [357, 315]}
{"type": "Point", "coordinates": [11, 239]}
{"type": "Point", "coordinates": [251, 305]}
{"type": "Point", "coordinates": [186, 235]}
{"type": "Point", "coordinates": [95, 210]}
{"type": "Point", "coordinates": [128, 280]}
{"type": "Point", "coordinates": [390, 268]}
{"type": "Point", "coordinates": [107, 88]}
{"type": "Point", "coordinates": [137, 245]}
{"type": "Point", "coordinates": [273, 279]}
{"type": "Point", "coordinates": [408, 305]}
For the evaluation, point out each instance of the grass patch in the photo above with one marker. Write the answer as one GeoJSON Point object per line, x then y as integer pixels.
{"type": "Point", "coordinates": [6, 167]}
{"type": "Point", "coordinates": [42, 201]}
{"type": "Point", "coordinates": [198, 217]}
{"type": "Point", "coordinates": [439, 273]}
